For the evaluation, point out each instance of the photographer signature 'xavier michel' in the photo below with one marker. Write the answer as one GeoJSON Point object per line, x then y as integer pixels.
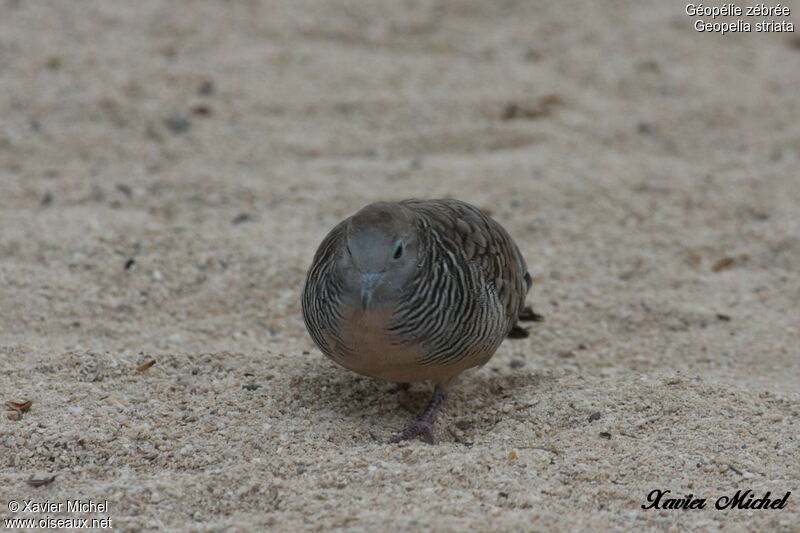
{"type": "Point", "coordinates": [658, 499]}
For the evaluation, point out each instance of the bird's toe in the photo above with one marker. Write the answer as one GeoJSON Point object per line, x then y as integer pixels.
{"type": "Point", "coordinates": [417, 429]}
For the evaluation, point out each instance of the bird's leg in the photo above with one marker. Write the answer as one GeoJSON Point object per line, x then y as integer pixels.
{"type": "Point", "coordinates": [526, 315]}
{"type": "Point", "coordinates": [401, 387]}
{"type": "Point", "coordinates": [424, 425]}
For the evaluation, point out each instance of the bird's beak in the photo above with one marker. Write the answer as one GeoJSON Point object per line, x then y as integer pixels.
{"type": "Point", "coordinates": [368, 282]}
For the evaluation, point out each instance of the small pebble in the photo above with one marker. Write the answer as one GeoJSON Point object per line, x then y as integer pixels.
{"type": "Point", "coordinates": [177, 123]}
{"type": "Point", "coordinates": [124, 189]}
{"type": "Point", "coordinates": [240, 218]}
{"type": "Point", "coordinates": [175, 338]}
{"type": "Point", "coordinates": [201, 110]}
{"type": "Point", "coordinates": [206, 88]}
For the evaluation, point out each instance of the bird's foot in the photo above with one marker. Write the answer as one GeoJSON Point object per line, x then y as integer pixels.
{"type": "Point", "coordinates": [529, 315]}
{"type": "Point", "coordinates": [424, 426]}
{"type": "Point", "coordinates": [417, 429]}
{"type": "Point", "coordinates": [518, 332]}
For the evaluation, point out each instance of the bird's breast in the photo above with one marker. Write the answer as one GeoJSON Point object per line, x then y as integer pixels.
{"type": "Point", "coordinates": [365, 345]}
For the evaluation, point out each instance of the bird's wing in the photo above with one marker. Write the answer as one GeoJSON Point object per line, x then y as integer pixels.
{"type": "Point", "coordinates": [320, 298]}
{"type": "Point", "coordinates": [466, 230]}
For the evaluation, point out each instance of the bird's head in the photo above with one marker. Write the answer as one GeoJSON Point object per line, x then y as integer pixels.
{"type": "Point", "coordinates": [379, 255]}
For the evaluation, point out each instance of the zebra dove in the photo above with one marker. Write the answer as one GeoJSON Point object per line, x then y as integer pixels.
{"type": "Point", "coordinates": [415, 290]}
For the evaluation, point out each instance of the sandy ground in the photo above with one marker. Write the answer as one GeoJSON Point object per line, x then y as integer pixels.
{"type": "Point", "coordinates": [168, 169]}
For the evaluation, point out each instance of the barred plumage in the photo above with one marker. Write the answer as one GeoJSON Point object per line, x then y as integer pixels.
{"type": "Point", "coordinates": [415, 290]}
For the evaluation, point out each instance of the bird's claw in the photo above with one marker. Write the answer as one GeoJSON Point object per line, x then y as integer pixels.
{"type": "Point", "coordinates": [417, 429]}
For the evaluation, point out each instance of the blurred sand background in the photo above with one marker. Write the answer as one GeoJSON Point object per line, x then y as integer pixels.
{"type": "Point", "coordinates": [167, 170]}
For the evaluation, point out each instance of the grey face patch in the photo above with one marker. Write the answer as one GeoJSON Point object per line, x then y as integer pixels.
{"type": "Point", "coordinates": [370, 250]}
{"type": "Point", "coordinates": [378, 256]}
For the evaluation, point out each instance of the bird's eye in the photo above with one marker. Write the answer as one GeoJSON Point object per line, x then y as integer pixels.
{"type": "Point", "coordinates": [398, 250]}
